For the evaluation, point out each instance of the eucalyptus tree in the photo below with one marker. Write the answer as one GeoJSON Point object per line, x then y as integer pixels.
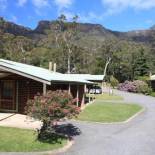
{"type": "Point", "coordinates": [68, 33]}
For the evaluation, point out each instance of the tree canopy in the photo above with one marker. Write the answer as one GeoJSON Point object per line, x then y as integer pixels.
{"type": "Point", "coordinates": [78, 51]}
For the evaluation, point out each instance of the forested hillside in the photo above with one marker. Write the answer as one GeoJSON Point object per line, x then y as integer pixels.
{"type": "Point", "coordinates": [85, 48]}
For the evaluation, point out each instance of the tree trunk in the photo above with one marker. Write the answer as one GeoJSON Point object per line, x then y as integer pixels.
{"type": "Point", "coordinates": [106, 66]}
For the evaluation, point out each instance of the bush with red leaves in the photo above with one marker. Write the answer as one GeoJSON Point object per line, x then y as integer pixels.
{"type": "Point", "coordinates": [52, 107]}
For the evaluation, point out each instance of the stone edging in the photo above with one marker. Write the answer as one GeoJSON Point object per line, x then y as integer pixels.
{"type": "Point", "coordinates": [60, 150]}
{"type": "Point", "coordinates": [113, 123]}
{"type": "Point", "coordinates": [135, 115]}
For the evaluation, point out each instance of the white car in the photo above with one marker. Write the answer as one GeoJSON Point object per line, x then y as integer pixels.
{"type": "Point", "coordinates": [95, 90]}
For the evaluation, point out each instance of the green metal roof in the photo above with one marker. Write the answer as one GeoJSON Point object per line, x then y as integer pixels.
{"type": "Point", "coordinates": [38, 73]}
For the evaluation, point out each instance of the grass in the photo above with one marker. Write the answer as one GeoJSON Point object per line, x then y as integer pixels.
{"type": "Point", "coordinates": [152, 94]}
{"type": "Point", "coordinates": [22, 140]}
{"type": "Point", "coordinates": [108, 112]}
{"type": "Point", "coordinates": [106, 96]}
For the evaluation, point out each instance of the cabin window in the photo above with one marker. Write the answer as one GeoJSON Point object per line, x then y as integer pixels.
{"type": "Point", "coordinates": [7, 89]}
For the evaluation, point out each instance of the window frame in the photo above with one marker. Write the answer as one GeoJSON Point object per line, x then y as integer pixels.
{"type": "Point", "coordinates": [7, 97]}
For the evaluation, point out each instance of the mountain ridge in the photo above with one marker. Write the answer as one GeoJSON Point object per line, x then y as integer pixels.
{"type": "Point", "coordinates": [91, 47]}
{"type": "Point", "coordinates": [96, 31]}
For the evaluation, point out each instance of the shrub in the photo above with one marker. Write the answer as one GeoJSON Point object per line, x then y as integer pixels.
{"type": "Point", "coordinates": [127, 86]}
{"type": "Point", "coordinates": [50, 108]}
{"type": "Point", "coordinates": [113, 81]}
{"type": "Point", "coordinates": [143, 78]}
{"type": "Point", "coordinates": [136, 86]}
{"type": "Point", "coordinates": [142, 87]}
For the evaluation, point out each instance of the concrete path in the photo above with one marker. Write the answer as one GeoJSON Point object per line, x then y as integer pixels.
{"type": "Point", "coordinates": [134, 138]}
{"type": "Point", "coordinates": [19, 121]}
{"type": "Point", "coordinates": [5, 115]}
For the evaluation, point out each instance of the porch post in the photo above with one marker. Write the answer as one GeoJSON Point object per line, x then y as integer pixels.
{"type": "Point", "coordinates": [69, 88]}
{"type": "Point", "coordinates": [102, 86]}
{"type": "Point", "coordinates": [44, 88]}
{"type": "Point", "coordinates": [77, 96]}
{"type": "Point", "coordinates": [85, 88]}
{"type": "Point", "coordinates": [89, 95]}
{"type": "Point", "coordinates": [83, 97]}
{"type": "Point", "coordinates": [17, 96]}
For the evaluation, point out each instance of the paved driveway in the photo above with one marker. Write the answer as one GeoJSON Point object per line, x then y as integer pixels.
{"type": "Point", "coordinates": [134, 138]}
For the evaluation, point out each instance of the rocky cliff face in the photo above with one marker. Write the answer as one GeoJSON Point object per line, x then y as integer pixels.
{"type": "Point", "coordinates": [144, 36]}
{"type": "Point", "coordinates": [88, 30]}
{"type": "Point", "coordinates": [12, 28]}
{"type": "Point", "coordinates": [42, 26]}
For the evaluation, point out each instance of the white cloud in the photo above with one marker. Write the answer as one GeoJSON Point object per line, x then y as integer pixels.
{"type": "Point", "coordinates": [3, 5]}
{"type": "Point", "coordinates": [90, 17]}
{"type": "Point", "coordinates": [21, 2]}
{"type": "Point", "coordinates": [63, 3]}
{"type": "Point", "coordinates": [14, 18]}
{"type": "Point", "coordinates": [119, 5]}
{"type": "Point", "coordinates": [69, 15]}
{"type": "Point", "coordinates": [85, 18]}
{"type": "Point", "coordinates": [40, 3]}
{"type": "Point", "coordinates": [40, 6]}
{"type": "Point", "coordinates": [149, 21]}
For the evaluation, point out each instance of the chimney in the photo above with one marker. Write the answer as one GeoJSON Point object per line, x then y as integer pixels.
{"type": "Point", "coordinates": [50, 66]}
{"type": "Point", "coordinates": [55, 67]}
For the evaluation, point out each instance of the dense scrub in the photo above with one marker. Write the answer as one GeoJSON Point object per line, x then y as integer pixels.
{"type": "Point", "coordinates": [90, 46]}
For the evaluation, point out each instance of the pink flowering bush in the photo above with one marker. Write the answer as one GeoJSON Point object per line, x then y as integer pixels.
{"type": "Point", "coordinates": [127, 86]}
{"type": "Point", "coordinates": [136, 86]}
{"type": "Point", "coordinates": [50, 108]}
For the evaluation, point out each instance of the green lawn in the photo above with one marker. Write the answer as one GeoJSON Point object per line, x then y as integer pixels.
{"type": "Point", "coordinates": [108, 112]}
{"type": "Point", "coordinates": [106, 96]}
{"type": "Point", "coordinates": [152, 94]}
{"type": "Point", "coordinates": [21, 140]}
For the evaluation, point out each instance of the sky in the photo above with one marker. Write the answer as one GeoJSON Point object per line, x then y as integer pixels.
{"type": "Point", "coordinates": [119, 15]}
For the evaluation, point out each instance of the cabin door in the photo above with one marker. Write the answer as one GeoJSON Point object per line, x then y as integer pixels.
{"type": "Point", "coordinates": [7, 95]}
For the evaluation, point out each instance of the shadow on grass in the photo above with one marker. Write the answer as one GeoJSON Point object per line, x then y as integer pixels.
{"type": "Point", "coordinates": [58, 133]}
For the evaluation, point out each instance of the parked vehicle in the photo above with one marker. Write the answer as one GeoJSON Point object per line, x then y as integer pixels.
{"type": "Point", "coordinates": [95, 90]}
